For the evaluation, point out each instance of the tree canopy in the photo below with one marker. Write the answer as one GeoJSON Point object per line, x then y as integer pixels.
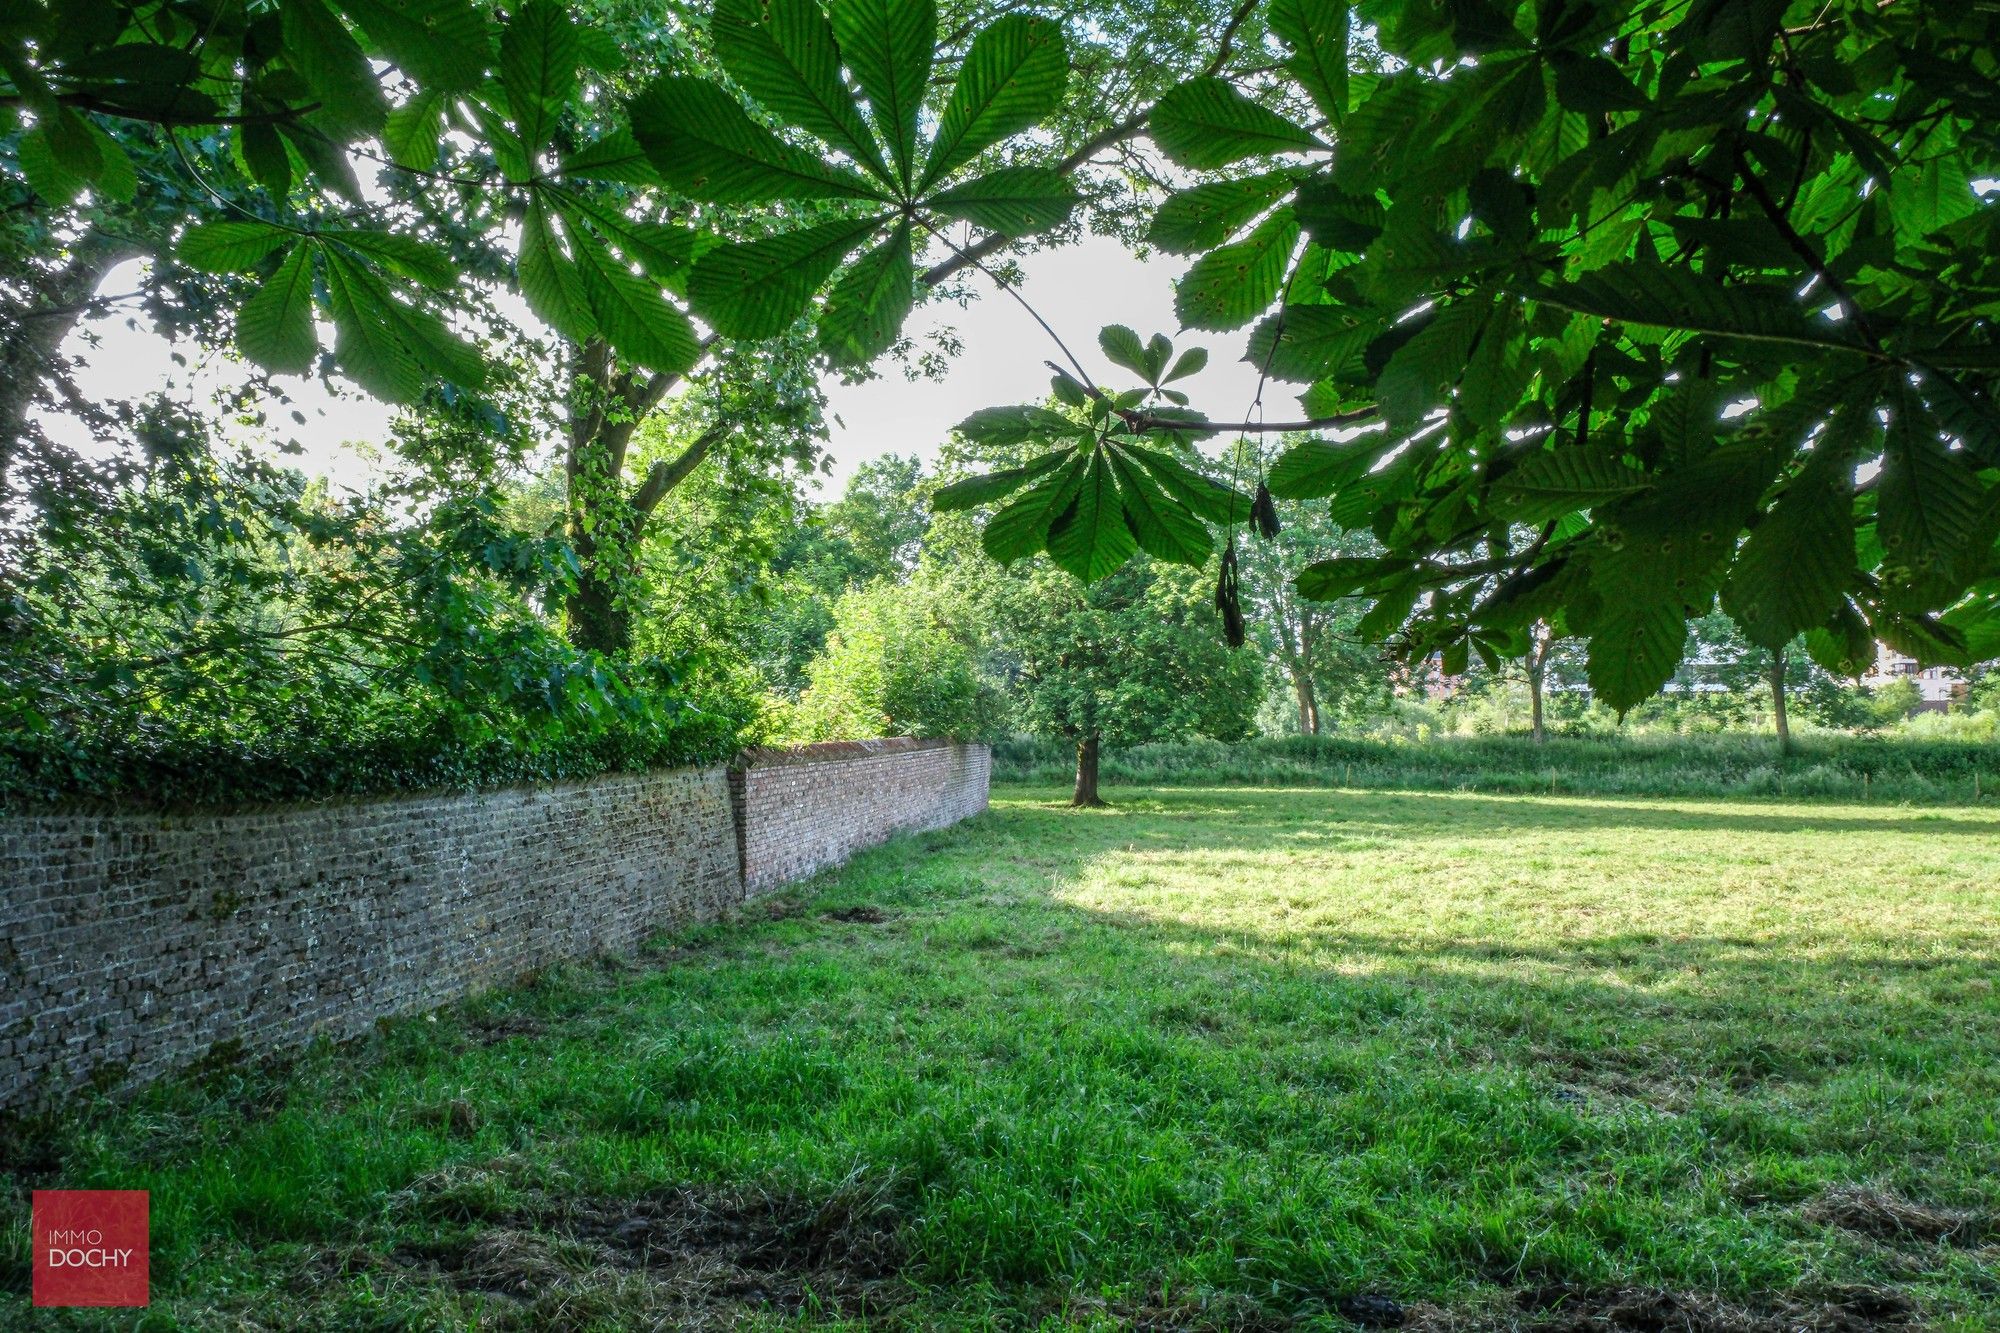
{"type": "Point", "coordinates": [1601, 314]}
{"type": "Point", "coordinates": [1633, 305]}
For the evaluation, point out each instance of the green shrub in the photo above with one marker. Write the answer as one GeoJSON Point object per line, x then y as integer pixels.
{"type": "Point", "coordinates": [226, 632]}
{"type": "Point", "coordinates": [1842, 768]}
{"type": "Point", "coordinates": [900, 661]}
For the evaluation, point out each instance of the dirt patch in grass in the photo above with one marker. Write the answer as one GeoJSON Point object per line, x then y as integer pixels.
{"type": "Point", "coordinates": [1884, 1216]}
{"type": "Point", "coordinates": [1563, 1309]}
{"type": "Point", "coordinates": [681, 1258]}
{"type": "Point", "coordinates": [860, 916]}
{"type": "Point", "coordinates": [492, 1029]}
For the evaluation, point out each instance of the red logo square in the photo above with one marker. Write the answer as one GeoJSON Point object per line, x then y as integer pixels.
{"type": "Point", "coordinates": [91, 1247]}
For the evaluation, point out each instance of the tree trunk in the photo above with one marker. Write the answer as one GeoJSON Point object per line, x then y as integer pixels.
{"type": "Point", "coordinates": [1302, 686]}
{"type": "Point", "coordinates": [1086, 773]}
{"type": "Point", "coordinates": [1541, 643]}
{"type": "Point", "coordinates": [1778, 702]}
{"type": "Point", "coordinates": [607, 521]}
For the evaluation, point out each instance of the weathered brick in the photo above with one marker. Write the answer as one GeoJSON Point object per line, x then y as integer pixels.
{"type": "Point", "coordinates": [150, 938]}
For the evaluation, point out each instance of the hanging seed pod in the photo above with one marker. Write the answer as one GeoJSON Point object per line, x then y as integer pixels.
{"type": "Point", "coordinates": [1228, 600]}
{"type": "Point", "coordinates": [1264, 513]}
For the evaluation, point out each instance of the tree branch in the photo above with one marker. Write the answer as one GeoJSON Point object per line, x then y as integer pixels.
{"type": "Point", "coordinates": [663, 476]}
{"type": "Point", "coordinates": [1145, 421]}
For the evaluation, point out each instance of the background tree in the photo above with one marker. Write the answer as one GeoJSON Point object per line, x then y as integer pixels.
{"type": "Point", "coordinates": [1316, 647]}
{"type": "Point", "coordinates": [1134, 657]}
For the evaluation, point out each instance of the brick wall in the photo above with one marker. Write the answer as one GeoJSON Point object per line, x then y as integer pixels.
{"type": "Point", "coordinates": [802, 810]}
{"type": "Point", "coordinates": [131, 943]}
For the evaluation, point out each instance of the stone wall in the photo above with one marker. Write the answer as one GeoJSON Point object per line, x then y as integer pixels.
{"type": "Point", "coordinates": [802, 810]}
{"type": "Point", "coordinates": [131, 943]}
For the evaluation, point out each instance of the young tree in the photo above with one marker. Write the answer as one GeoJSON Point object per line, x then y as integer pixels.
{"type": "Point", "coordinates": [1134, 657]}
{"type": "Point", "coordinates": [1316, 645]}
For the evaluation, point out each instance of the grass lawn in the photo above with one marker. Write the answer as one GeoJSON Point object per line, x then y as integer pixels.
{"type": "Point", "coordinates": [1216, 1058]}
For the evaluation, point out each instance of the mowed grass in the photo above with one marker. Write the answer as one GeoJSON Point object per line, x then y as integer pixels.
{"type": "Point", "coordinates": [1212, 1058]}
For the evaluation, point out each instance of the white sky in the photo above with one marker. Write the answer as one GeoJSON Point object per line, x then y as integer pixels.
{"type": "Point", "coordinates": [1078, 289]}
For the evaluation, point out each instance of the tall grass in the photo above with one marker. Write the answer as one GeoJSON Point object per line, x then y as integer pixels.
{"type": "Point", "coordinates": [1831, 767]}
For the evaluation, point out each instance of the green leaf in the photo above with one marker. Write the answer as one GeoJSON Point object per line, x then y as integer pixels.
{"type": "Point", "coordinates": [443, 44]}
{"type": "Point", "coordinates": [59, 156]}
{"type": "Point", "coordinates": [1014, 201]}
{"type": "Point", "coordinates": [1316, 30]}
{"type": "Point", "coordinates": [1014, 425]}
{"type": "Point", "coordinates": [1498, 373]}
{"type": "Point", "coordinates": [1229, 287]}
{"type": "Point", "coordinates": [1928, 639]}
{"type": "Point", "coordinates": [274, 329]}
{"type": "Point", "coordinates": [414, 129]}
{"type": "Point", "coordinates": [230, 247]}
{"type": "Point", "coordinates": [976, 491]}
{"type": "Point", "coordinates": [1090, 538]}
{"type": "Point", "coordinates": [551, 285]}
{"type": "Point", "coordinates": [1932, 518]}
{"type": "Point", "coordinates": [328, 60]}
{"type": "Point", "coordinates": [1022, 528]}
{"type": "Point", "coordinates": [367, 344]}
{"type": "Point", "coordinates": [1661, 296]}
{"type": "Point", "coordinates": [758, 289]}
{"type": "Point", "coordinates": [1012, 78]}
{"type": "Point", "coordinates": [1590, 83]}
{"type": "Point", "coordinates": [1337, 220]}
{"type": "Point", "coordinates": [1349, 576]}
{"type": "Point", "coordinates": [1314, 469]}
{"type": "Point", "coordinates": [1162, 526]}
{"type": "Point", "coordinates": [1634, 650]}
{"type": "Point", "coordinates": [630, 313]}
{"type": "Point", "coordinates": [703, 145]}
{"type": "Point", "coordinates": [784, 54]}
{"type": "Point", "coordinates": [1122, 347]}
{"type": "Point", "coordinates": [1357, 502]}
{"type": "Point", "coordinates": [377, 322]}
{"type": "Point", "coordinates": [1977, 621]}
{"type": "Point", "coordinates": [1182, 423]}
{"type": "Point", "coordinates": [1931, 194]}
{"type": "Point", "coordinates": [662, 249]}
{"type": "Point", "coordinates": [431, 265]}
{"type": "Point", "coordinates": [116, 177]}
{"type": "Point", "coordinates": [1306, 343]}
{"type": "Point", "coordinates": [1792, 572]}
{"type": "Point", "coordinates": [509, 153]}
{"type": "Point", "coordinates": [261, 149]}
{"type": "Point", "coordinates": [538, 59]}
{"type": "Point", "coordinates": [1205, 216]}
{"type": "Point", "coordinates": [1201, 495]}
{"type": "Point", "coordinates": [866, 308]}
{"type": "Point", "coordinates": [1419, 375]}
{"type": "Point", "coordinates": [1562, 481]}
{"type": "Point", "coordinates": [1972, 420]}
{"type": "Point", "coordinates": [1191, 362]}
{"type": "Point", "coordinates": [615, 157]}
{"type": "Point", "coordinates": [888, 47]}
{"type": "Point", "coordinates": [1205, 123]}
{"type": "Point", "coordinates": [1844, 645]}
{"type": "Point", "coordinates": [1408, 260]}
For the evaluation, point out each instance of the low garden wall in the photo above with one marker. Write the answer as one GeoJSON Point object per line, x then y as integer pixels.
{"type": "Point", "coordinates": [132, 943]}
{"type": "Point", "coordinates": [801, 810]}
